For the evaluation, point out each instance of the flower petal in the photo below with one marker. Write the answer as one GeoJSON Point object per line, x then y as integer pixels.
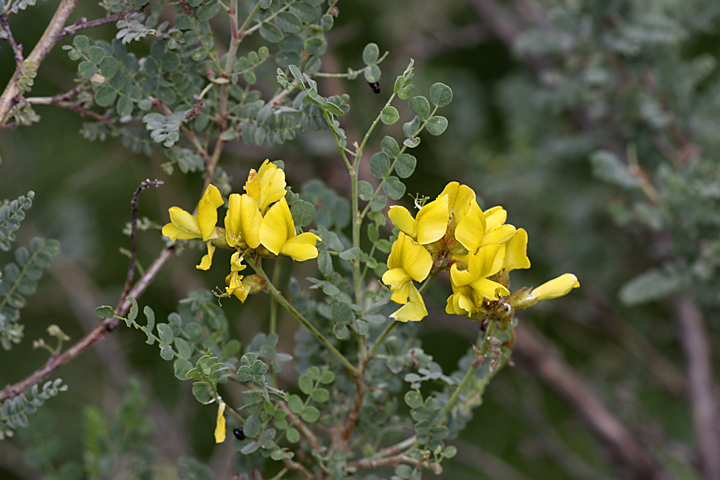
{"type": "Point", "coordinates": [415, 260]}
{"type": "Point", "coordinates": [516, 254]}
{"type": "Point", "coordinates": [206, 261]}
{"type": "Point", "coordinates": [236, 264]}
{"type": "Point", "coordinates": [186, 226]}
{"type": "Point", "coordinates": [460, 199]}
{"type": "Point", "coordinates": [252, 185]}
{"type": "Point", "coordinates": [432, 221]}
{"type": "Point", "coordinates": [233, 235]}
{"type": "Point", "coordinates": [470, 231]}
{"type": "Point", "coordinates": [488, 289]}
{"type": "Point", "coordinates": [207, 212]}
{"type": "Point", "coordinates": [556, 287]}
{"type": "Point", "coordinates": [495, 217]}
{"type": "Point", "coordinates": [220, 424]}
{"type": "Point", "coordinates": [402, 218]}
{"type": "Point", "coordinates": [274, 230]}
{"type": "Point", "coordinates": [499, 235]}
{"type": "Point", "coordinates": [250, 221]}
{"type": "Point", "coordinates": [412, 311]}
{"type": "Point", "coordinates": [301, 247]}
{"type": "Point", "coordinates": [272, 184]}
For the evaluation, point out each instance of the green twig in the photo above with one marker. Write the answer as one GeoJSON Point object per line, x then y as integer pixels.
{"type": "Point", "coordinates": [282, 301]}
{"type": "Point", "coordinates": [480, 359]}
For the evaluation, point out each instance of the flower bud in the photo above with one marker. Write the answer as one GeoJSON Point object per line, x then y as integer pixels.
{"type": "Point", "coordinates": [556, 287]}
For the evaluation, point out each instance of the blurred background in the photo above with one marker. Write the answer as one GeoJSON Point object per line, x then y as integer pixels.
{"type": "Point", "coordinates": [595, 124]}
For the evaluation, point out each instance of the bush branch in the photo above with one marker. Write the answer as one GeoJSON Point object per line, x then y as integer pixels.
{"type": "Point", "coordinates": [53, 34]}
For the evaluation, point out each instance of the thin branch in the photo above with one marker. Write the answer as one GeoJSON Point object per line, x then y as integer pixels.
{"type": "Point", "coordinates": [53, 34]}
{"type": "Point", "coordinates": [16, 48]}
{"type": "Point", "coordinates": [98, 22]}
{"type": "Point", "coordinates": [133, 239]}
{"type": "Point", "coordinates": [695, 342]}
{"type": "Point", "coordinates": [99, 333]}
{"type": "Point", "coordinates": [540, 357]}
{"type": "Point", "coordinates": [73, 106]}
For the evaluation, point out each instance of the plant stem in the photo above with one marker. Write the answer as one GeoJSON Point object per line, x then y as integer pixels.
{"type": "Point", "coordinates": [273, 303]}
{"type": "Point", "coordinates": [480, 359]}
{"type": "Point", "coordinates": [282, 301]}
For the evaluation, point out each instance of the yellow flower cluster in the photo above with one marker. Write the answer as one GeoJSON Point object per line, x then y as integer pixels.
{"type": "Point", "coordinates": [258, 220]}
{"type": "Point", "coordinates": [479, 248]}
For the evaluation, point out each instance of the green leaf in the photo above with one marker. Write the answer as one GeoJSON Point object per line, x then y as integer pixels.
{"type": "Point", "coordinates": [370, 54]}
{"type": "Point", "coordinates": [327, 377]}
{"type": "Point", "coordinates": [413, 399]}
{"type": "Point", "coordinates": [365, 190]}
{"type": "Point", "coordinates": [306, 384]}
{"type": "Point", "coordinates": [252, 425]}
{"type": "Point", "coordinates": [436, 125]}
{"type": "Point", "coordinates": [341, 313]}
{"type": "Point", "coordinates": [170, 61]}
{"type": "Point", "coordinates": [340, 331]}
{"type": "Point", "coordinates": [305, 12]}
{"type": "Point", "coordinates": [420, 106]}
{"type": "Point", "coordinates": [81, 42]}
{"type": "Point", "coordinates": [310, 414]}
{"type": "Point", "coordinates": [390, 146]}
{"type": "Point", "coordinates": [166, 352]}
{"type": "Point", "coordinates": [314, 373]}
{"type": "Point", "coordinates": [271, 33]}
{"type": "Point", "coordinates": [389, 115]}
{"type": "Point", "coordinates": [87, 69]}
{"type": "Point", "coordinates": [412, 142]}
{"type": "Point", "coordinates": [327, 22]}
{"type": "Point", "coordinates": [124, 106]}
{"type": "Point", "coordinates": [378, 203]}
{"type": "Point", "coordinates": [321, 395]}
{"type": "Point", "coordinates": [350, 253]}
{"type": "Point", "coordinates": [295, 404]}
{"type": "Point", "coordinates": [406, 91]}
{"type": "Point", "coordinates": [165, 333]}
{"type": "Point", "coordinates": [292, 435]}
{"type": "Point", "coordinates": [105, 96]}
{"type": "Point", "coordinates": [96, 54]}
{"type": "Point", "coordinates": [450, 451]}
{"type": "Point", "coordinates": [405, 165]}
{"type": "Point", "coordinates": [608, 167]}
{"type": "Point", "coordinates": [303, 213]}
{"type": "Point", "coordinates": [289, 22]}
{"type": "Point", "coordinates": [440, 94]}
{"type": "Point", "coordinates": [265, 4]}
{"type": "Point", "coordinates": [207, 12]}
{"type": "Point", "coordinates": [104, 312]}
{"type": "Point", "coordinates": [375, 319]}
{"type": "Point", "coordinates": [108, 67]}
{"type": "Point", "coordinates": [394, 188]}
{"type": "Point", "coordinates": [380, 165]}
{"type": "Point", "coordinates": [372, 74]}
{"type": "Point", "coordinates": [150, 315]}
{"type": "Point", "coordinates": [132, 315]}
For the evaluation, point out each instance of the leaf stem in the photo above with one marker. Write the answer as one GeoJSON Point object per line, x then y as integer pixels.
{"type": "Point", "coordinates": [282, 301]}
{"type": "Point", "coordinates": [480, 359]}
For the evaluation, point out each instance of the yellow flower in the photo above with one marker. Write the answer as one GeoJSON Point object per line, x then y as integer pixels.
{"type": "Point", "coordinates": [206, 261]}
{"type": "Point", "coordinates": [408, 261]}
{"type": "Point", "coordinates": [266, 186]}
{"type": "Point", "coordinates": [516, 254]}
{"type": "Point", "coordinates": [463, 301]}
{"type": "Point", "coordinates": [220, 425]}
{"type": "Point", "coordinates": [277, 234]}
{"type": "Point", "coordinates": [485, 263]}
{"type": "Point", "coordinates": [460, 198]}
{"type": "Point", "coordinates": [477, 229]}
{"type": "Point", "coordinates": [236, 286]}
{"type": "Point", "coordinates": [412, 311]}
{"type": "Point", "coordinates": [184, 226]}
{"type": "Point", "coordinates": [555, 288]}
{"type": "Point", "coordinates": [242, 222]}
{"type": "Point", "coordinates": [428, 226]}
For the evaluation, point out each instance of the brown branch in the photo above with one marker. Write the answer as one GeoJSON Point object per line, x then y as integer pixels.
{"type": "Point", "coordinates": [53, 34]}
{"type": "Point", "coordinates": [85, 23]}
{"type": "Point", "coordinates": [133, 238]}
{"type": "Point", "coordinates": [73, 106]}
{"type": "Point", "coordinates": [99, 333]}
{"type": "Point", "coordinates": [695, 342]}
{"type": "Point", "coordinates": [540, 357]}
{"type": "Point", "coordinates": [16, 48]}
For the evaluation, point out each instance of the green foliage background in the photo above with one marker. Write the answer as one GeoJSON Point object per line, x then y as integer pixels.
{"type": "Point", "coordinates": [526, 128]}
